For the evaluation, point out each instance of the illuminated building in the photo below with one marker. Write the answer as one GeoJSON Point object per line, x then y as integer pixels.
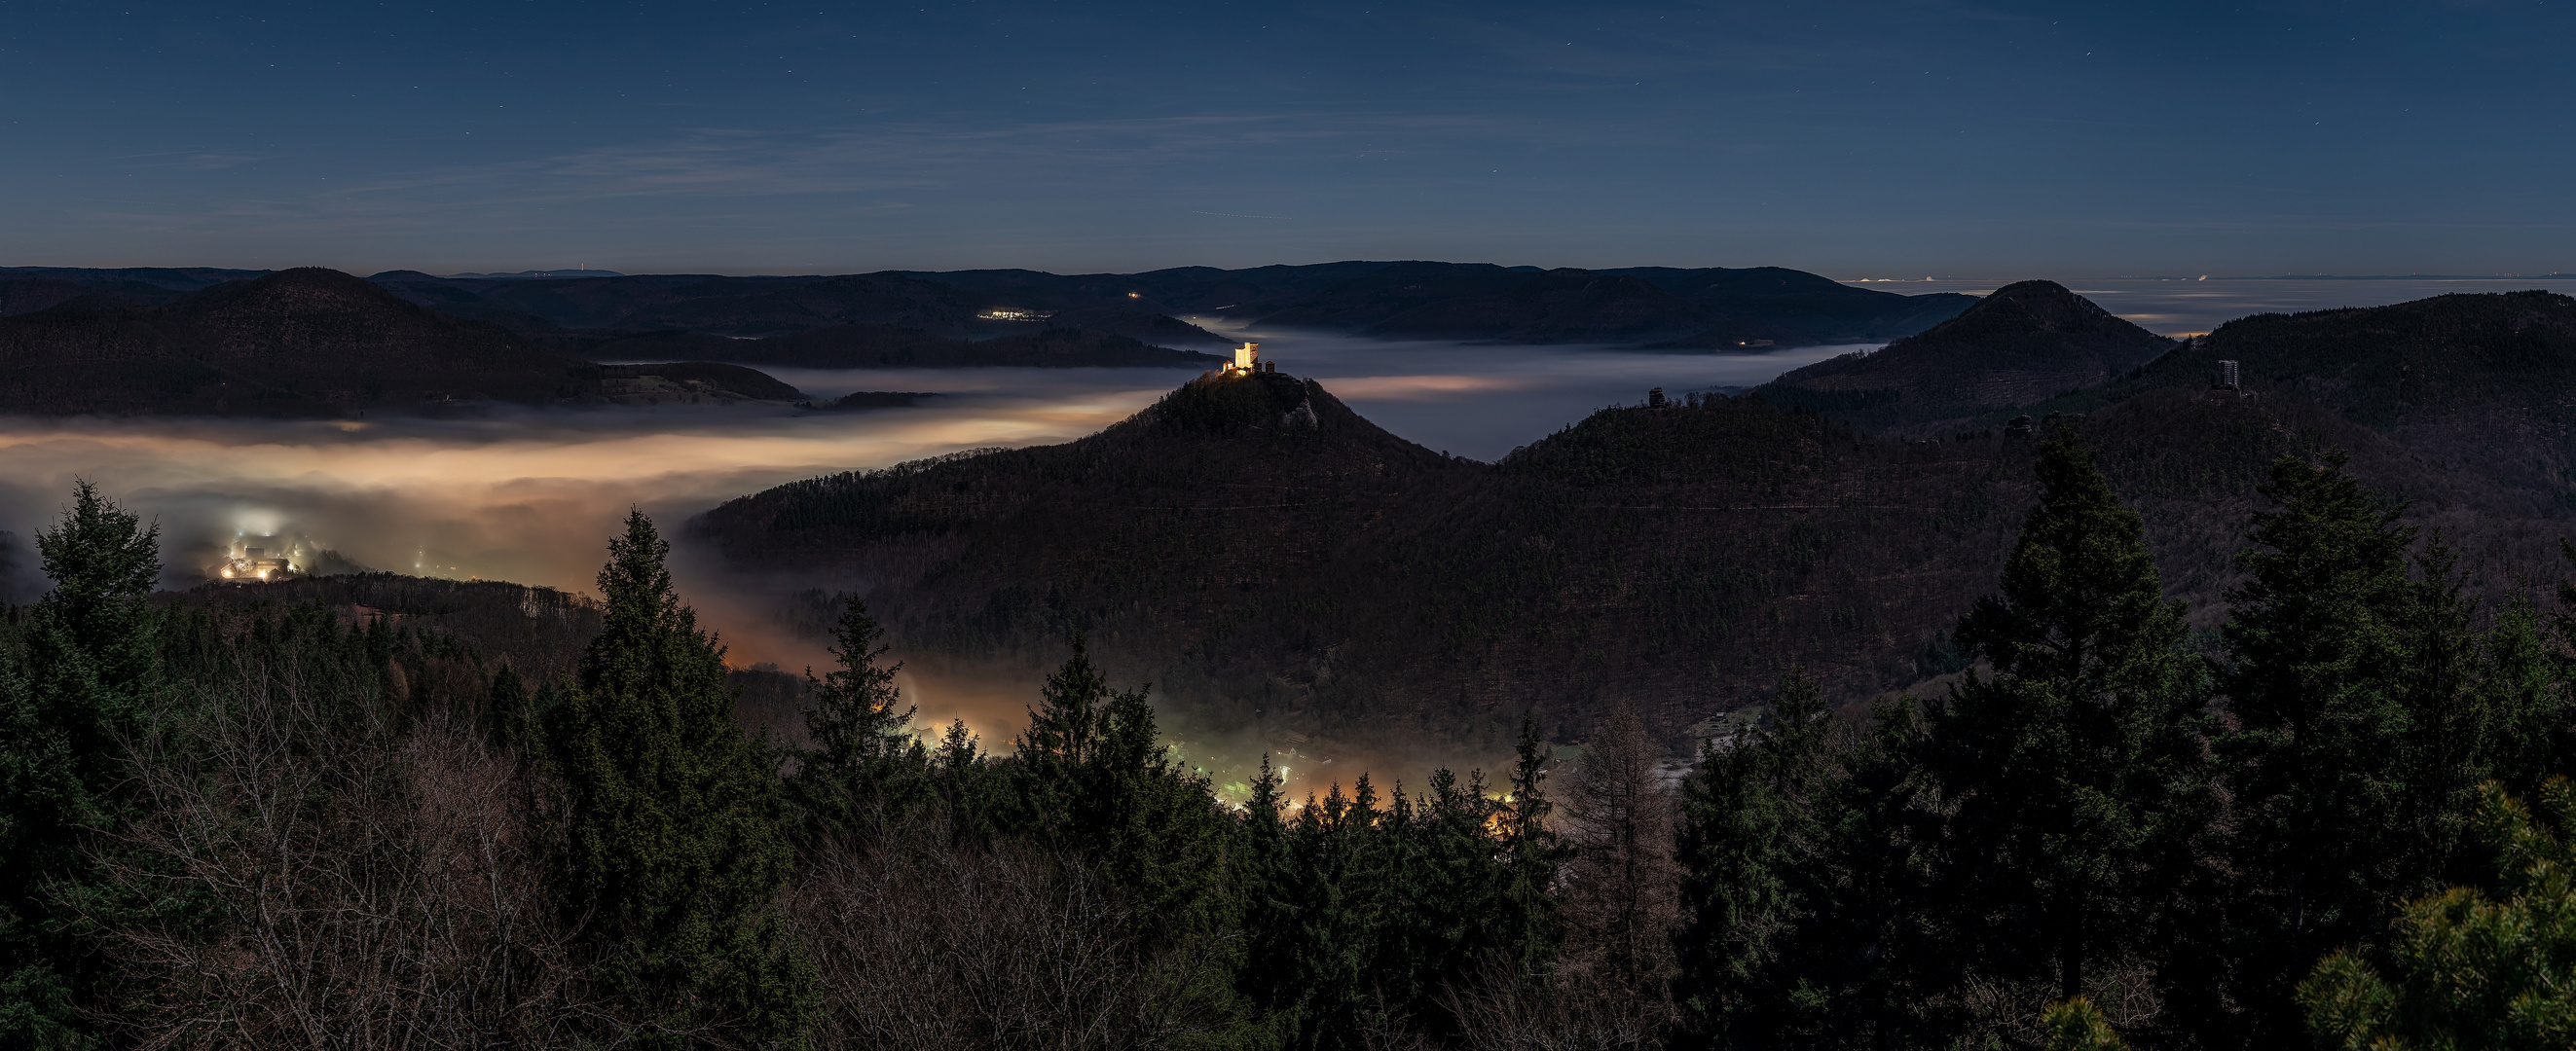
{"type": "Point", "coordinates": [1247, 358]}
{"type": "Point", "coordinates": [1247, 362]}
{"type": "Point", "coordinates": [261, 559]}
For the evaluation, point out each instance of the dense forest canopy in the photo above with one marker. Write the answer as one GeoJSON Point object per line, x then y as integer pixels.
{"type": "Point", "coordinates": [270, 825]}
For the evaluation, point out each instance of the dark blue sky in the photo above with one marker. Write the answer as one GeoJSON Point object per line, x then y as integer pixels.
{"type": "Point", "coordinates": [1853, 139]}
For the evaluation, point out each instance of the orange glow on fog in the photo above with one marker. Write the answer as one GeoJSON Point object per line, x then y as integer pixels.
{"type": "Point", "coordinates": [530, 497]}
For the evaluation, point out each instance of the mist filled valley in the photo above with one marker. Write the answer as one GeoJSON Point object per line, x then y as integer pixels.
{"type": "Point", "coordinates": [1007, 526]}
{"type": "Point", "coordinates": [529, 495]}
{"type": "Point", "coordinates": [1363, 655]}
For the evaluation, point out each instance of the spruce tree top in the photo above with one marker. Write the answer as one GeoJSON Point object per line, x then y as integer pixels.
{"type": "Point", "coordinates": [103, 562]}
{"type": "Point", "coordinates": [2080, 578]}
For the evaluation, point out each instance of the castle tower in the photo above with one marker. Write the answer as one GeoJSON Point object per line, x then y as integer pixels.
{"type": "Point", "coordinates": [1246, 356]}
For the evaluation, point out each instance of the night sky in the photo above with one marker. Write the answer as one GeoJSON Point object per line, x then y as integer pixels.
{"type": "Point", "coordinates": [1853, 139]}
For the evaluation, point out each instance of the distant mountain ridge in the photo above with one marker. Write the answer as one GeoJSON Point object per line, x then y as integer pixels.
{"type": "Point", "coordinates": [854, 346]}
{"type": "Point", "coordinates": [314, 342]}
{"type": "Point", "coordinates": [293, 343]}
{"type": "Point", "coordinates": [317, 342]}
{"type": "Point", "coordinates": [1705, 309]}
{"type": "Point", "coordinates": [2025, 343]}
{"type": "Point", "coordinates": [2486, 381]}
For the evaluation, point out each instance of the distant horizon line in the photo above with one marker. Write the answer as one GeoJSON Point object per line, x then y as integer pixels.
{"type": "Point", "coordinates": [585, 270]}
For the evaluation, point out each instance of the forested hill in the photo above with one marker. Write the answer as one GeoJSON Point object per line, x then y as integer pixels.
{"type": "Point", "coordinates": [1706, 308]}
{"type": "Point", "coordinates": [27, 289]}
{"type": "Point", "coordinates": [314, 342]}
{"type": "Point", "coordinates": [1333, 578]}
{"type": "Point", "coordinates": [2025, 343]}
{"type": "Point", "coordinates": [889, 346]}
{"type": "Point", "coordinates": [1713, 308]}
{"type": "Point", "coordinates": [294, 343]}
{"type": "Point", "coordinates": [2483, 383]}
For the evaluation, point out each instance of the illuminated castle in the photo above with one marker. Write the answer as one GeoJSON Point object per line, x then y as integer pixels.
{"type": "Point", "coordinates": [243, 563]}
{"type": "Point", "coordinates": [1247, 358]}
{"type": "Point", "coordinates": [255, 563]}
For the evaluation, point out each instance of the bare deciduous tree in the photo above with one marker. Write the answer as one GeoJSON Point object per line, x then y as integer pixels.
{"type": "Point", "coordinates": [318, 881]}
{"type": "Point", "coordinates": [1504, 1010]}
{"type": "Point", "coordinates": [1620, 895]}
{"type": "Point", "coordinates": [924, 945]}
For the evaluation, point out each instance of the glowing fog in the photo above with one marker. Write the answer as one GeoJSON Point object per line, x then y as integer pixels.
{"type": "Point", "coordinates": [532, 495]}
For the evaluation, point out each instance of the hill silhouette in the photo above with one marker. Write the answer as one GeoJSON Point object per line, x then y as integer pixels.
{"type": "Point", "coordinates": [308, 342]}
{"type": "Point", "coordinates": [889, 346]}
{"type": "Point", "coordinates": [1712, 308]}
{"type": "Point", "coordinates": [2026, 343]}
{"type": "Point", "coordinates": [725, 306]}
{"type": "Point", "coordinates": [294, 343]}
{"type": "Point", "coordinates": [2482, 382]}
{"type": "Point", "coordinates": [1334, 579]}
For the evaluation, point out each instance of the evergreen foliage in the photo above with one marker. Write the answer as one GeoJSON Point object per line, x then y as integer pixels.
{"type": "Point", "coordinates": [232, 823]}
{"type": "Point", "coordinates": [1533, 854]}
{"type": "Point", "coordinates": [2470, 969]}
{"type": "Point", "coordinates": [1367, 915]}
{"type": "Point", "coordinates": [1808, 917]}
{"type": "Point", "coordinates": [677, 847]}
{"type": "Point", "coordinates": [1096, 778]}
{"type": "Point", "coordinates": [2356, 750]}
{"type": "Point", "coordinates": [2075, 1024]}
{"type": "Point", "coordinates": [86, 681]}
{"type": "Point", "coordinates": [865, 756]}
{"type": "Point", "coordinates": [2070, 781]}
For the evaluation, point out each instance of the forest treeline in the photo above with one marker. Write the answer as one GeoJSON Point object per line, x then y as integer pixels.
{"type": "Point", "coordinates": [234, 826]}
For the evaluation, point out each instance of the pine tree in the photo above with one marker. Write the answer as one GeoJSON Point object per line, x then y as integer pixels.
{"type": "Point", "coordinates": [1341, 908]}
{"type": "Point", "coordinates": [967, 788]}
{"type": "Point", "coordinates": [1066, 729]}
{"type": "Point", "coordinates": [2524, 686]}
{"type": "Point", "coordinates": [514, 714]}
{"type": "Point", "coordinates": [1096, 779]}
{"type": "Point", "coordinates": [89, 677]}
{"type": "Point", "coordinates": [678, 855]}
{"type": "Point", "coordinates": [1445, 916]}
{"type": "Point", "coordinates": [1532, 853]}
{"type": "Point", "coordinates": [1757, 842]}
{"type": "Point", "coordinates": [865, 756]}
{"type": "Point", "coordinates": [2076, 1025]}
{"type": "Point", "coordinates": [1268, 876]}
{"type": "Point", "coordinates": [2469, 969]}
{"type": "Point", "coordinates": [2343, 670]}
{"type": "Point", "coordinates": [2071, 776]}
